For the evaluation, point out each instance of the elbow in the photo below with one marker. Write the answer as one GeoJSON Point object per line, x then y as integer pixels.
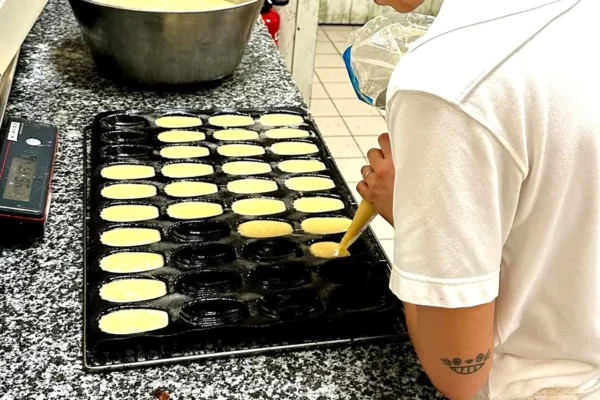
{"type": "Point", "coordinates": [455, 391]}
{"type": "Point", "coordinates": [458, 387]}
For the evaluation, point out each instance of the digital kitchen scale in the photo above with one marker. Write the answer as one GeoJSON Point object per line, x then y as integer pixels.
{"type": "Point", "coordinates": [26, 164]}
{"type": "Point", "coordinates": [27, 148]}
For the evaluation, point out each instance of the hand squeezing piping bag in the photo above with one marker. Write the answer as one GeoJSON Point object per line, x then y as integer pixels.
{"type": "Point", "coordinates": [364, 215]}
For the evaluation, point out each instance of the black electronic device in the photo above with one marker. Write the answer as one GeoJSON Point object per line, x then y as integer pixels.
{"type": "Point", "coordinates": [27, 158]}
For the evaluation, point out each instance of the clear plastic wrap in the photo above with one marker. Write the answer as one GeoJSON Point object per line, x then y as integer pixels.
{"type": "Point", "coordinates": [374, 51]}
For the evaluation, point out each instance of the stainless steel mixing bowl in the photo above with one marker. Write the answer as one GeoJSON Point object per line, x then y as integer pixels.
{"type": "Point", "coordinates": [158, 47]}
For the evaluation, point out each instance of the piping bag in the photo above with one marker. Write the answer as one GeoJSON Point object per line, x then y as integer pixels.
{"type": "Point", "coordinates": [363, 217]}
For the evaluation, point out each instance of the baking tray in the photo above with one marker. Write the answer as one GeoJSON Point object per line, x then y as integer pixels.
{"type": "Point", "coordinates": [226, 294]}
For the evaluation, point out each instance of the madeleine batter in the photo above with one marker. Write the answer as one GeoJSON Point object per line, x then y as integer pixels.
{"type": "Point", "coordinates": [300, 166]}
{"type": "Point", "coordinates": [176, 121]}
{"type": "Point", "coordinates": [252, 186]}
{"type": "Point", "coordinates": [309, 183]}
{"type": "Point", "coordinates": [173, 152]}
{"type": "Point", "coordinates": [180, 136]}
{"type": "Point", "coordinates": [190, 189]}
{"type": "Point", "coordinates": [131, 290]}
{"type": "Point", "coordinates": [246, 168]}
{"type": "Point", "coordinates": [127, 171]}
{"type": "Point", "coordinates": [170, 5]}
{"type": "Point", "coordinates": [130, 321]}
{"type": "Point", "coordinates": [286, 133]}
{"type": "Point", "coordinates": [327, 250]}
{"type": "Point", "coordinates": [128, 191]}
{"type": "Point", "coordinates": [130, 263]}
{"type": "Point", "coordinates": [258, 206]}
{"type": "Point", "coordinates": [294, 148]}
{"type": "Point", "coordinates": [129, 213]}
{"type": "Point", "coordinates": [126, 237]}
{"type": "Point", "coordinates": [281, 120]}
{"type": "Point", "coordinates": [318, 204]}
{"type": "Point", "coordinates": [194, 210]}
{"type": "Point", "coordinates": [325, 225]}
{"type": "Point", "coordinates": [236, 134]}
{"type": "Point", "coordinates": [264, 229]}
{"type": "Point", "coordinates": [240, 150]}
{"type": "Point", "coordinates": [187, 170]}
{"type": "Point", "coordinates": [231, 121]}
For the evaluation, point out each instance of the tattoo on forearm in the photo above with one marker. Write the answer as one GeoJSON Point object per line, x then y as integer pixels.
{"type": "Point", "coordinates": [468, 366]}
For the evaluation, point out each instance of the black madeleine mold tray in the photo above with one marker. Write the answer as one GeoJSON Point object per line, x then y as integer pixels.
{"type": "Point", "coordinates": [184, 273]}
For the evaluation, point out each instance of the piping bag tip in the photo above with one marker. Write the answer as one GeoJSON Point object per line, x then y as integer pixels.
{"type": "Point", "coordinates": [340, 252]}
{"type": "Point", "coordinates": [364, 215]}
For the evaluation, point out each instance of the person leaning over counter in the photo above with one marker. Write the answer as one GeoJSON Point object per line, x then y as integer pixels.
{"type": "Point", "coordinates": [491, 176]}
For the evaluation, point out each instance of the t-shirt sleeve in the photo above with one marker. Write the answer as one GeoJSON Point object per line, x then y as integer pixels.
{"type": "Point", "coordinates": [455, 196]}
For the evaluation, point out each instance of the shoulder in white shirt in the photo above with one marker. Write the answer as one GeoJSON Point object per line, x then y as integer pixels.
{"type": "Point", "coordinates": [495, 125]}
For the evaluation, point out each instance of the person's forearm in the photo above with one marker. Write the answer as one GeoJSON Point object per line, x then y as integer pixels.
{"type": "Point", "coordinates": [432, 346]}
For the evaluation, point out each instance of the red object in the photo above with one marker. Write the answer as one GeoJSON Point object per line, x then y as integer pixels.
{"type": "Point", "coordinates": [273, 21]}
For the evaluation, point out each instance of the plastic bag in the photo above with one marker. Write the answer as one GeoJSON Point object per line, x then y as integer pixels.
{"type": "Point", "coordinates": [374, 51]}
{"type": "Point", "coordinates": [430, 7]}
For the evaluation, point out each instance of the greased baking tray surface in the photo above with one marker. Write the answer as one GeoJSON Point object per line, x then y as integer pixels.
{"type": "Point", "coordinates": [225, 294]}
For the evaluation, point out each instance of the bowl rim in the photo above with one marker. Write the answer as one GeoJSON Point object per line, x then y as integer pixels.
{"type": "Point", "coordinates": [156, 11]}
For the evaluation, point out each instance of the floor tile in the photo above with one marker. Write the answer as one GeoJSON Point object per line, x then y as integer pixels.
{"type": "Point", "coordinates": [329, 61]}
{"type": "Point", "coordinates": [323, 108]}
{"type": "Point", "coordinates": [350, 169]}
{"type": "Point", "coordinates": [332, 75]}
{"type": "Point", "coordinates": [355, 194]}
{"type": "Point", "coordinates": [366, 126]}
{"type": "Point", "coordinates": [388, 247]}
{"type": "Point", "coordinates": [383, 230]}
{"type": "Point", "coordinates": [337, 28]}
{"type": "Point", "coordinates": [367, 143]}
{"type": "Point", "coordinates": [326, 48]}
{"type": "Point", "coordinates": [322, 37]}
{"type": "Point", "coordinates": [318, 91]}
{"type": "Point", "coordinates": [354, 108]}
{"type": "Point", "coordinates": [342, 146]}
{"type": "Point", "coordinates": [340, 46]}
{"type": "Point", "coordinates": [336, 36]}
{"type": "Point", "coordinates": [340, 90]}
{"type": "Point", "coordinates": [332, 126]}
{"type": "Point", "coordinates": [315, 78]}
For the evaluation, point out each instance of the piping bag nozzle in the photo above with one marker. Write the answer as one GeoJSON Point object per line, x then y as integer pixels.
{"type": "Point", "coordinates": [364, 215]}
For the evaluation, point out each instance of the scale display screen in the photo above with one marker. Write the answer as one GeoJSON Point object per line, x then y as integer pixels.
{"type": "Point", "coordinates": [20, 178]}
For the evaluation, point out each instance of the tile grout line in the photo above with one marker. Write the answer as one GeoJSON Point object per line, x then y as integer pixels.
{"type": "Point", "coordinates": [346, 125]}
{"type": "Point", "coordinates": [333, 44]}
{"type": "Point", "coordinates": [375, 135]}
{"type": "Point", "coordinates": [364, 158]}
{"type": "Point", "coordinates": [327, 35]}
{"type": "Point", "coordinates": [336, 107]}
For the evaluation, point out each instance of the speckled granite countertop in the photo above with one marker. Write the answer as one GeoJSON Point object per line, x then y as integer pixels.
{"type": "Point", "coordinates": [41, 287]}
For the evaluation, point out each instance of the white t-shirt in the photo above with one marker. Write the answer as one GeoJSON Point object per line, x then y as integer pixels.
{"type": "Point", "coordinates": [495, 126]}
